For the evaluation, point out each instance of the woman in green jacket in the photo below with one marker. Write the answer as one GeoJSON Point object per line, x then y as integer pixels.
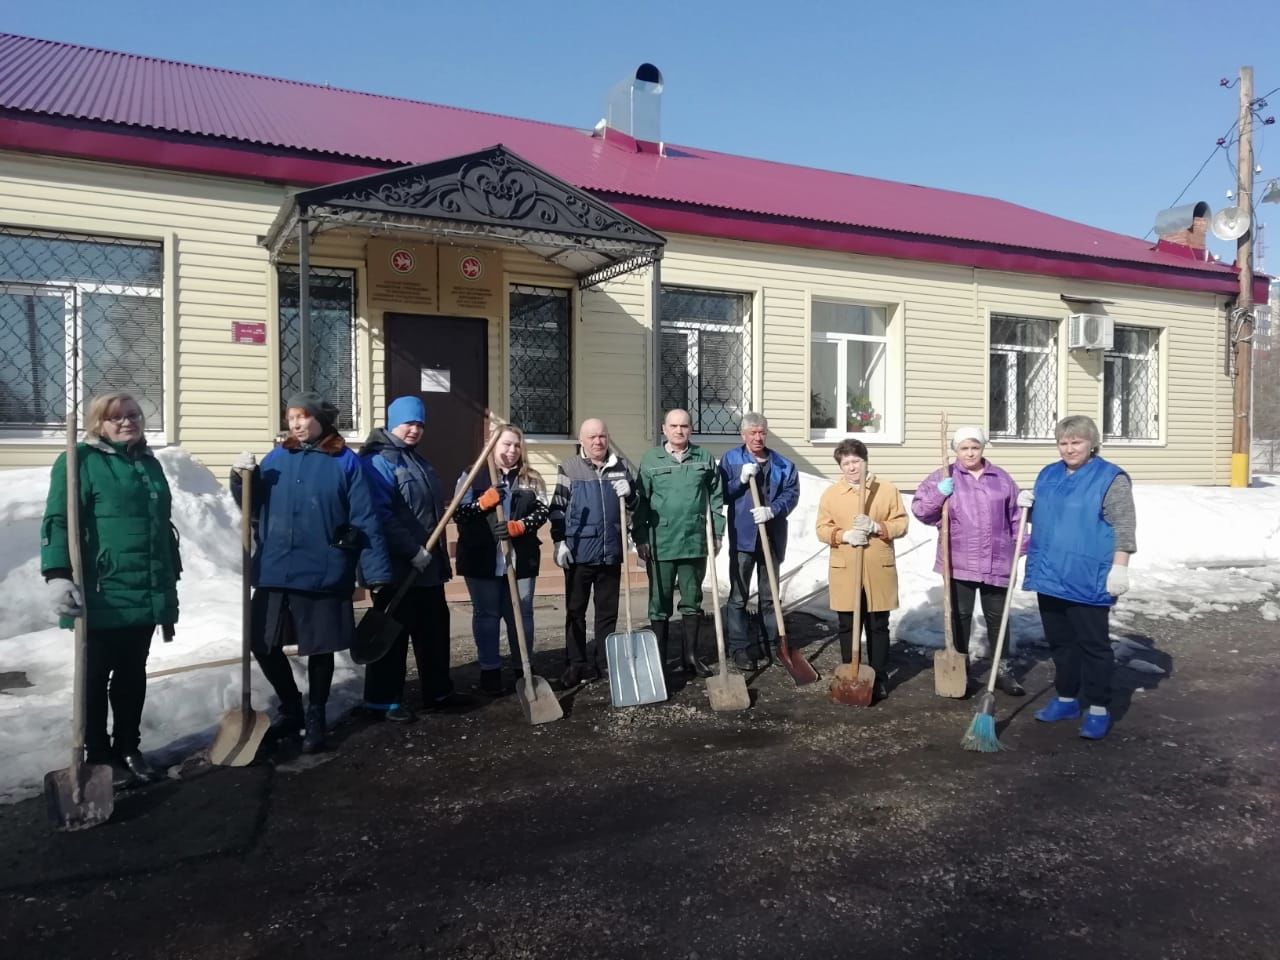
{"type": "Point", "coordinates": [131, 569]}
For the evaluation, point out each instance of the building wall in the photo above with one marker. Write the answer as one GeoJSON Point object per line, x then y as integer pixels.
{"type": "Point", "coordinates": [221, 396]}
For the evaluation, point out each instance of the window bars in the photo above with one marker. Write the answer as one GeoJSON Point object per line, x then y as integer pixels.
{"type": "Point", "coordinates": [539, 359]}
{"type": "Point", "coordinates": [1131, 385]}
{"type": "Point", "coordinates": [706, 357]}
{"type": "Point", "coordinates": [1024, 378]}
{"type": "Point", "coordinates": [333, 339]}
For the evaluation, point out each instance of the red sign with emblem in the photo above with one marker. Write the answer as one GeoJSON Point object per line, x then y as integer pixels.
{"type": "Point", "coordinates": [471, 268]}
{"type": "Point", "coordinates": [402, 276]}
{"type": "Point", "coordinates": [402, 260]}
{"type": "Point", "coordinates": [248, 332]}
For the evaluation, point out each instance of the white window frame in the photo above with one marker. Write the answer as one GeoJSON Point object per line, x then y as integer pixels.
{"type": "Point", "coordinates": [889, 344]}
{"type": "Point", "coordinates": [1011, 351]}
{"type": "Point", "coordinates": [1156, 351]}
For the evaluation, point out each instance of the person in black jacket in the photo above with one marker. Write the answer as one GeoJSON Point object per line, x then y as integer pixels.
{"type": "Point", "coordinates": [523, 496]}
{"type": "Point", "coordinates": [586, 525]}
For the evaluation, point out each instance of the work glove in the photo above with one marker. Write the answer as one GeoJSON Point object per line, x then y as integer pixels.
{"type": "Point", "coordinates": [501, 531]}
{"type": "Point", "coordinates": [855, 537]}
{"type": "Point", "coordinates": [643, 552]}
{"type": "Point", "coordinates": [63, 598]}
{"type": "Point", "coordinates": [245, 461]}
{"type": "Point", "coordinates": [762, 514]}
{"type": "Point", "coordinates": [1118, 580]}
{"type": "Point", "coordinates": [515, 528]}
{"type": "Point", "coordinates": [1026, 499]}
{"type": "Point", "coordinates": [421, 560]}
{"type": "Point", "coordinates": [748, 471]}
{"type": "Point", "coordinates": [946, 486]}
{"type": "Point", "coordinates": [489, 499]}
{"type": "Point", "coordinates": [621, 487]}
{"type": "Point", "coordinates": [869, 479]}
{"type": "Point", "coordinates": [564, 556]}
{"type": "Point", "coordinates": [866, 525]}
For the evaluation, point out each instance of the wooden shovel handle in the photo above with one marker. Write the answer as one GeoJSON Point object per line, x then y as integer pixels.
{"type": "Point", "coordinates": [770, 569]}
{"type": "Point", "coordinates": [856, 646]}
{"type": "Point", "coordinates": [513, 585]}
{"type": "Point", "coordinates": [944, 535]}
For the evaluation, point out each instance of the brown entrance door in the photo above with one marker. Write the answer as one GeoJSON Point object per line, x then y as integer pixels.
{"type": "Point", "coordinates": [443, 360]}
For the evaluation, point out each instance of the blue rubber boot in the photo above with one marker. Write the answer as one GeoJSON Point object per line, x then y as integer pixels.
{"type": "Point", "coordinates": [1059, 710]}
{"type": "Point", "coordinates": [1095, 726]}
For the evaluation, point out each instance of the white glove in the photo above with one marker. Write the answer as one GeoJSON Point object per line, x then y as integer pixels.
{"type": "Point", "coordinates": [761, 514]}
{"type": "Point", "coordinates": [564, 556]}
{"type": "Point", "coordinates": [63, 598]}
{"type": "Point", "coordinates": [1026, 498]}
{"type": "Point", "coordinates": [643, 552]}
{"type": "Point", "coordinates": [855, 537]}
{"type": "Point", "coordinates": [421, 560]}
{"type": "Point", "coordinates": [621, 487]}
{"type": "Point", "coordinates": [866, 525]}
{"type": "Point", "coordinates": [1118, 580]}
{"type": "Point", "coordinates": [870, 479]}
{"type": "Point", "coordinates": [748, 471]}
{"type": "Point", "coordinates": [246, 461]}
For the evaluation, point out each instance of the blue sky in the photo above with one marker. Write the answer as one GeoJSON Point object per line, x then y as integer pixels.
{"type": "Point", "coordinates": [1096, 111]}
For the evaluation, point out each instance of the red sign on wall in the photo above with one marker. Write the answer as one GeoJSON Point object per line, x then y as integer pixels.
{"type": "Point", "coordinates": [250, 332]}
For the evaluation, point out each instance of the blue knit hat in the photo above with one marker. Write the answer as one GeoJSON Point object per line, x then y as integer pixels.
{"type": "Point", "coordinates": [405, 410]}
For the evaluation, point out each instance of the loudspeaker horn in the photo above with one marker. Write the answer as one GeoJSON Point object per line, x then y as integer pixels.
{"type": "Point", "coordinates": [1230, 223]}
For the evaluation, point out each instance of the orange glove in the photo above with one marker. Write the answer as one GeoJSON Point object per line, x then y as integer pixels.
{"type": "Point", "coordinates": [489, 499]}
{"type": "Point", "coordinates": [515, 528]}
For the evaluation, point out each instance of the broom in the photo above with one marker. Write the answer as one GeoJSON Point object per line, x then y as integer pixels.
{"type": "Point", "coordinates": [981, 735]}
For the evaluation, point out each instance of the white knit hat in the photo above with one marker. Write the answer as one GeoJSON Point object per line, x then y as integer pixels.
{"type": "Point", "coordinates": [968, 433]}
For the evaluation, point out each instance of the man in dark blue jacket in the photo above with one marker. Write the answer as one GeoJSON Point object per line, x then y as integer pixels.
{"type": "Point", "coordinates": [586, 527]}
{"type": "Point", "coordinates": [779, 487]}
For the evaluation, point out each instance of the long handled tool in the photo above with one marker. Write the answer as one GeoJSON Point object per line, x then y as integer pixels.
{"type": "Point", "coordinates": [854, 682]}
{"type": "Point", "coordinates": [981, 735]}
{"type": "Point", "coordinates": [950, 666]}
{"type": "Point", "coordinates": [378, 630]}
{"type": "Point", "coordinates": [82, 795]}
{"type": "Point", "coordinates": [796, 664]}
{"type": "Point", "coordinates": [536, 697]}
{"type": "Point", "coordinates": [725, 690]}
{"type": "Point", "coordinates": [241, 730]}
{"type": "Point", "coordinates": [635, 665]}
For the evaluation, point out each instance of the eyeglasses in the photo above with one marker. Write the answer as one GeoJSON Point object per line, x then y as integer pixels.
{"type": "Point", "coordinates": [125, 418]}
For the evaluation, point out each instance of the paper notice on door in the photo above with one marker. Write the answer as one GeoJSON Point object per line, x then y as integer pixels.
{"type": "Point", "coordinates": [435, 381]}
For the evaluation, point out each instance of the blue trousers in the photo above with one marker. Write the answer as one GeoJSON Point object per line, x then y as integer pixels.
{"type": "Point", "coordinates": [491, 606]}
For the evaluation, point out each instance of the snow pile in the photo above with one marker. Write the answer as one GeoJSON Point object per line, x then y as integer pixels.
{"type": "Point", "coordinates": [182, 710]}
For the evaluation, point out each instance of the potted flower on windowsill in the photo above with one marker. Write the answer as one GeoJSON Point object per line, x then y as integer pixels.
{"type": "Point", "coordinates": [862, 416]}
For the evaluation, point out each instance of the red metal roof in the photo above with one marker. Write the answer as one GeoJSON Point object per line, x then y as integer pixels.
{"type": "Point", "coordinates": [41, 78]}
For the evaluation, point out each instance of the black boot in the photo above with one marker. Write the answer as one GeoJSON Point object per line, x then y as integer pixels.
{"type": "Point", "coordinates": [662, 630]}
{"type": "Point", "coordinates": [313, 739]}
{"type": "Point", "coordinates": [693, 664]}
{"type": "Point", "coordinates": [1007, 681]}
{"type": "Point", "coordinates": [288, 722]}
{"type": "Point", "coordinates": [137, 765]}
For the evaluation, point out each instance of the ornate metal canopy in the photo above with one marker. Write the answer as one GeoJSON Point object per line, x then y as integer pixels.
{"type": "Point", "coordinates": [491, 195]}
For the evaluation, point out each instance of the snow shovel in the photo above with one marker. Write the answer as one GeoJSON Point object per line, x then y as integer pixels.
{"type": "Point", "coordinates": [796, 664]}
{"type": "Point", "coordinates": [241, 730]}
{"type": "Point", "coordinates": [950, 666]}
{"type": "Point", "coordinates": [378, 630]}
{"type": "Point", "coordinates": [82, 795]}
{"type": "Point", "coordinates": [536, 697]}
{"type": "Point", "coordinates": [854, 682]}
{"type": "Point", "coordinates": [725, 690]}
{"type": "Point", "coordinates": [635, 666]}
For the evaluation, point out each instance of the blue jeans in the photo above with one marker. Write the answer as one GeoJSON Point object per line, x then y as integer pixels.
{"type": "Point", "coordinates": [741, 566]}
{"type": "Point", "coordinates": [490, 604]}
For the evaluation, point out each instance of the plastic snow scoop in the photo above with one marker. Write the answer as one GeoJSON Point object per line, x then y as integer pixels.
{"type": "Point", "coordinates": [378, 630]}
{"type": "Point", "coordinates": [635, 665]}
{"type": "Point", "coordinates": [795, 663]}
{"type": "Point", "coordinates": [855, 682]}
{"type": "Point", "coordinates": [240, 731]}
{"type": "Point", "coordinates": [536, 697]}
{"type": "Point", "coordinates": [725, 690]}
{"type": "Point", "coordinates": [82, 795]}
{"type": "Point", "coordinates": [950, 666]}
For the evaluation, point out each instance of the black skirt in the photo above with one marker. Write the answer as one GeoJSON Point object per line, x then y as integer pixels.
{"type": "Point", "coordinates": [316, 622]}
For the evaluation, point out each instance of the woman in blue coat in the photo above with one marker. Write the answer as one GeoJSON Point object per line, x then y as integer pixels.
{"type": "Point", "coordinates": [314, 518]}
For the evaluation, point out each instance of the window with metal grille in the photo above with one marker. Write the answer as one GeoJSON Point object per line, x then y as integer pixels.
{"type": "Point", "coordinates": [104, 293]}
{"type": "Point", "coordinates": [333, 339]}
{"type": "Point", "coordinates": [1131, 385]}
{"type": "Point", "coordinates": [848, 344]}
{"type": "Point", "coordinates": [539, 359]}
{"type": "Point", "coordinates": [706, 357]}
{"type": "Point", "coordinates": [1024, 378]}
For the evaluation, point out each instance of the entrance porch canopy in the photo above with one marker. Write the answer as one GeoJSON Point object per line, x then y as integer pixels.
{"type": "Point", "coordinates": [490, 196]}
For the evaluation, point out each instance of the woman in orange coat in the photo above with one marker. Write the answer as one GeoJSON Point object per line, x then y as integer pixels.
{"type": "Point", "coordinates": [845, 528]}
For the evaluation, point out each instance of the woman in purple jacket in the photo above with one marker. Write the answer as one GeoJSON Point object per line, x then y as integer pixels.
{"type": "Point", "coordinates": [984, 527]}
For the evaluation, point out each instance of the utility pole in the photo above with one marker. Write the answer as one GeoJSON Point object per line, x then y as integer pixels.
{"type": "Point", "coordinates": [1242, 327]}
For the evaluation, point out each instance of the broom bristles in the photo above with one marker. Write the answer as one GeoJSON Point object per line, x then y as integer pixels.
{"type": "Point", "coordinates": [981, 735]}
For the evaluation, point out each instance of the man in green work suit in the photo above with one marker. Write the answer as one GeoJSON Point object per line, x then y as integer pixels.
{"type": "Point", "coordinates": [676, 481]}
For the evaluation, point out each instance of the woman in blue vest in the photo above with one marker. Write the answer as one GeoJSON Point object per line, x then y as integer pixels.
{"type": "Point", "coordinates": [1078, 563]}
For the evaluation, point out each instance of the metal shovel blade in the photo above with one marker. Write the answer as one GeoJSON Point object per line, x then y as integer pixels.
{"type": "Point", "coordinates": [239, 736]}
{"type": "Point", "coordinates": [853, 686]}
{"type": "Point", "coordinates": [728, 691]}
{"type": "Point", "coordinates": [376, 633]}
{"type": "Point", "coordinates": [540, 705]}
{"type": "Point", "coordinates": [92, 804]}
{"type": "Point", "coordinates": [796, 664]}
{"type": "Point", "coordinates": [635, 668]}
{"type": "Point", "coordinates": [950, 674]}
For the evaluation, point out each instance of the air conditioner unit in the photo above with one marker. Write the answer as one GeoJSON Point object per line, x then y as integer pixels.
{"type": "Point", "coordinates": [1089, 331]}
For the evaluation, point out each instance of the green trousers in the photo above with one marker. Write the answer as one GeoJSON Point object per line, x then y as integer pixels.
{"type": "Point", "coordinates": [666, 576]}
